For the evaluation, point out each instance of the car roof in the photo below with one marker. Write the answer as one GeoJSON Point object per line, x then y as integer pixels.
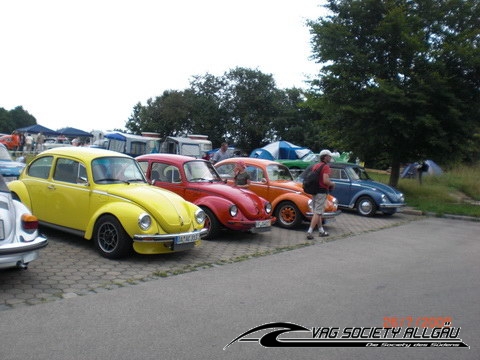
{"type": "Point", "coordinates": [165, 156]}
{"type": "Point", "coordinates": [250, 160]}
{"type": "Point", "coordinates": [86, 153]}
{"type": "Point", "coordinates": [343, 164]}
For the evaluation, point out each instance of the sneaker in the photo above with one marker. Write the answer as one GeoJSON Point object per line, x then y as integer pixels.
{"type": "Point", "coordinates": [309, 236]}
{"type": "Point", "coordinates": [323, 233]}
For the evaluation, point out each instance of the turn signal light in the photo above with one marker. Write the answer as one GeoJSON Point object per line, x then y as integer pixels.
{"type": "Point", "coordinates": [29, 222]}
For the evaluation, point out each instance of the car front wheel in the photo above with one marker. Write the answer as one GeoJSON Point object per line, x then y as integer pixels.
{"type": "Point", "coordinates": [288, 215]}
{"type": "Point", "coordinates": [110, 238]}
{"type": "Point", "coordinates": [211, 224]}
{"type": "Point", "coordinates": [366, 206]}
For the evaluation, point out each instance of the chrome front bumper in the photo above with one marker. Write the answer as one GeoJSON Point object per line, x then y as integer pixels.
{"type": "Point", "coordinates": [186, 237]}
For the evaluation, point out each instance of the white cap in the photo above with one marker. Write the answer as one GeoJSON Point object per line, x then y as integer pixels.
{"type": "Point", "coordinates": [325, 152]}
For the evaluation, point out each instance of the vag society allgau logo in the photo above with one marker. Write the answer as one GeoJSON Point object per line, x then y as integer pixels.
{"type": "Point", "coordinates": [283, 334]}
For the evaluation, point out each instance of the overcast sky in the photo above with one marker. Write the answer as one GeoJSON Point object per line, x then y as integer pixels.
{"type": "Point", "coordinates": [87, 63]}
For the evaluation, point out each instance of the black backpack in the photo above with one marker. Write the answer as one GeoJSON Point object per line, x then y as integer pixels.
{"type": "Point", "coordinates": [311, 180]}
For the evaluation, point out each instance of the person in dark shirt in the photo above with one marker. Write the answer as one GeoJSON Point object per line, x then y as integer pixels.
{"type": "Point", "coordinates": [319, 200]}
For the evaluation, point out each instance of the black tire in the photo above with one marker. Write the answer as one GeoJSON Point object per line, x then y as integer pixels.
{"type": "Point", "coordinates": [366, 206]}
{"type": "Point", "coordinates": [110, 239]}
{"type": "Point", "coordinates": [288, 216]}
{"type": "Point", "coordinates": [211, 223]}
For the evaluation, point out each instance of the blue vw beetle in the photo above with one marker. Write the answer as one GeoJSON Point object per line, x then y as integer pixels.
{"type": "Point", "coordinates": [9, 168]}
{"type": "Point", "coordinates": [354, 189]}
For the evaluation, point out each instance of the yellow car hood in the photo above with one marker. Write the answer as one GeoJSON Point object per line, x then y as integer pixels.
{"type": "Point", "coordinates": [171, 211]}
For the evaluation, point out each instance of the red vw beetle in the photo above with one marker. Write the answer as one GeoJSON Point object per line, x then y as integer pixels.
{"type": "Point", "coordinates": [197, 181]}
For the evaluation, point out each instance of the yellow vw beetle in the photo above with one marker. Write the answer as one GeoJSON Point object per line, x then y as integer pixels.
{"type": "Point", "coordinates": [103, 196]}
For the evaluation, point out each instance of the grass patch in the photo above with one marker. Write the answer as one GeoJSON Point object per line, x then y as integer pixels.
{"type": "Point", "coordinates": [456, 191]}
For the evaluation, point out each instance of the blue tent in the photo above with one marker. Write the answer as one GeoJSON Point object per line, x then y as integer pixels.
{"type": "Point", "coordinates": [280, 150]}
{"type": "Point", "coordinates": [410, 171]}
{"type": "Point", "coordinates": [35, 129]}
{"type": "Point", "coordinates": [72, 132]}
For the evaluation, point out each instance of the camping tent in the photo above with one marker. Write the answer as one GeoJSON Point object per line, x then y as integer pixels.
{"type": "Point", "coordinates": [410, 171]}
{"type": "Point", "coordinates": [72, 132]}
{"type": "Point", "coordinates": [35, 129]}
{"type": "Point", "coordinates": [280, 150]}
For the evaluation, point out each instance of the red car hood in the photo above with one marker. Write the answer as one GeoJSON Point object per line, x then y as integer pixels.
{"type": "Point", "coordinates": [248, 202]}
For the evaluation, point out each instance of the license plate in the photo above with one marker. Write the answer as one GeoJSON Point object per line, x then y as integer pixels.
{"type": "Point", "coordinates": [187, 238]}
{"type": "Point", "coordinates": [29, 257]}
{"type": "Point", "coordinates": [264, 223]}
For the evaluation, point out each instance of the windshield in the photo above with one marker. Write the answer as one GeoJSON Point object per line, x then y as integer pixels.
{"type": "Point", "coordinates": [279, 172]}
{"type": "Point", "coordinates": [357, 173]}
{"type": "Point", "coordinates": [200, 171]}
{"type": "Point", "coordinates": [4, 154]}
{"type": "Point", "coordinates": [116, 169]}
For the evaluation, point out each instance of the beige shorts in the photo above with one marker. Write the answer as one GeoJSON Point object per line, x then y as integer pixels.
{"type": "Point", "coordinates": [318, 203]}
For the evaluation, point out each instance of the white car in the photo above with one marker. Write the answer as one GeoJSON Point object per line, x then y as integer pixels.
{"type": "Point", "coordinates": [51, 143]}
{"type": "Point", "coordinates": [20, 240]}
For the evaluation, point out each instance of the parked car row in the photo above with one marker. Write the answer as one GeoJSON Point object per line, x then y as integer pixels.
{"type": "Point", "coordinates": [163, 203]}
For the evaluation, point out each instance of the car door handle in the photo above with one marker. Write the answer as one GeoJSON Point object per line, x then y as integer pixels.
{"type": "Point", "coordinates": [51, 187]}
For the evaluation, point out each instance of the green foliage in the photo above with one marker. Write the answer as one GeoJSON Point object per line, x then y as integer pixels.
{"type": "Point", "coordinates": [15, 119]}
{"type": "Point", "coordinates": [456, 191]}
{"type": "Point", "coordinates": [243, 107]}
{"type": "Point", "coordinates": [400, 78]}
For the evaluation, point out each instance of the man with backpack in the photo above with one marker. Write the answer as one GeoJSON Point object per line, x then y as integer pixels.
{"type": "Point", "coordinates": [322, 173]}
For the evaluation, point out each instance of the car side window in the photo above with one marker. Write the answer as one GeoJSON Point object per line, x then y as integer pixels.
{"type": "Point", "coordinates": [143, 166]}
{"type": "Point", "coordinates": [159, 172]}
{"type": "Point", "coordinates": [256, 174]}
{"type": "Point", "coordinates": [171, 174]}
{"type": "Point", "coordinates": [226, 170]}
{"type": "Point", "coordinates": [66, 170]}
{"type": "Point", "coordinates": [335, 174]}
{"type": "Point", "coordinates": [82, 172]}
{"type": "Point", "coordinates": [40, 168]}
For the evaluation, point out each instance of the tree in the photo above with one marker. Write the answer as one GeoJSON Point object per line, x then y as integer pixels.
{"type": "Point", "coordinates": [243, 107]}
{"type": "Point", "coordinates": [209, 116]}
{"type": "Point", "coordinates": [14, 119]}
{"type": "Point", "coordinates": [251, 103]}
{"type": "Point", "coordinates": [400, 78]}
{"type": "Point", "coordinates": [21, 118]}
{"type": "Point", "coordinates": [167, 115]}
{"type": "Point", "coordinates": [6, 125]}
{"type": "Point", "coordinates": [297, 122]}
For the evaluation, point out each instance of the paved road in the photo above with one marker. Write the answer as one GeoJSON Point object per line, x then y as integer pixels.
{"type": "Point", "coordinates": [419, 268]}
{"type": "Point", "coordinates": [70, 266]}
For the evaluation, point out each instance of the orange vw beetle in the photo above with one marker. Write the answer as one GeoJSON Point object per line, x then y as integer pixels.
{"type": "Point", "coordinates": [274, 182]}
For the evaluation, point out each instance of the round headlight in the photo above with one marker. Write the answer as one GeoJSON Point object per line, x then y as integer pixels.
{"type": "Point", "coordinates": [144, 221]}
{"type": "Point", "coordinates": [268, 208]}
{"type": "Point", "coordinates": [233, 210]}
{"type": "Point", "coordinates": [384, 198]}
{"type": "Point", "coordinates": [200, 216]}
